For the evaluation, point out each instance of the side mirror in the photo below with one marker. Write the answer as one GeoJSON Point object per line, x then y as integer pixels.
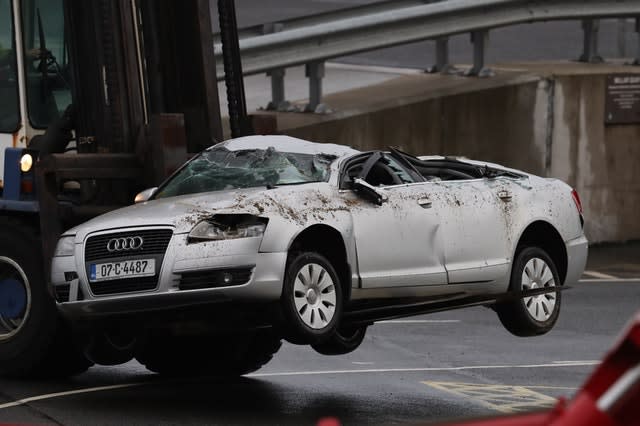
{"type": "Point", "coordinates": [145, 195]}
{"type": "Point", "coordinates": [368, 192]}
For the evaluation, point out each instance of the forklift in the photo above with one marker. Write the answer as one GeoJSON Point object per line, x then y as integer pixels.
{"type": "Point", "coordinates": [99, 99]}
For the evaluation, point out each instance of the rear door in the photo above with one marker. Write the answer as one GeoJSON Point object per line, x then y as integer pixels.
{"type": "Point", "coordinates": [476, 220]}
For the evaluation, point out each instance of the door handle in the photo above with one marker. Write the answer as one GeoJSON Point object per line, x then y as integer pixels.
{"type": "Point", "coordinates": [425, 203]}
{"type": "Point", "coordinates": [505, 195]}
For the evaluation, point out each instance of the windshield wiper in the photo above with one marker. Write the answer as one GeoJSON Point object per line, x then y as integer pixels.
{"type": "Point", "coordinates": [272, 186]}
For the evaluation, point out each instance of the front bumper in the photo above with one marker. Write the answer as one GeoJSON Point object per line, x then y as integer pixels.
{"type": "Point", "coordinates": [263, 285]}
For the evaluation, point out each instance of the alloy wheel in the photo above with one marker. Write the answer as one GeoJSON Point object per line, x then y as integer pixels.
{"type": "Point", "coordinates": [537, 274]}
{"type": "Point", "coordinates": [314, 295]}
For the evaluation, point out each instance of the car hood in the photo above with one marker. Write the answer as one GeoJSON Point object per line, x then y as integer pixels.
{"type": "Point", "coordinates": [183, 212]}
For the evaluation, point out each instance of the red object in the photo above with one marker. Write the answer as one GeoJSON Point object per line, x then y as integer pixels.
{"type": "Point", "coordinates": [576, 199]}
{"type": "Point", "coordinates": [328, 421]}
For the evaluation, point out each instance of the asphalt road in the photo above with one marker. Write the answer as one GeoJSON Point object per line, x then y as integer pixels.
{"type": "Point", "coordinates": [429, 368]}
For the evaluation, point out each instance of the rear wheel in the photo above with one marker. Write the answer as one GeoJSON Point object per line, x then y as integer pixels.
{"type": "Point", "coordinates": [343, 341]}
{"type": "Point", "coordinates": [530, 316]}
{"type": "Point", "coordinates": [34, 341]}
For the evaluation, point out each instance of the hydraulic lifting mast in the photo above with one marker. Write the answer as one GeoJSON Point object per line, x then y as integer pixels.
{"type": "Point", "coordinates": [143, 91]}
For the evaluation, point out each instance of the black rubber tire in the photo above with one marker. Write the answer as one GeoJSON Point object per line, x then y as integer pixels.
{"type": "Point", "coordinates": [342, 342]}
{"type": "Point", "coordinates": [223, 356]}
{"type": "Point", "coordinates": [294, 329]}
{"type": "Point", "coordinates": [44, 346]}
{"type": "Point", "coordinates": [514, 315]}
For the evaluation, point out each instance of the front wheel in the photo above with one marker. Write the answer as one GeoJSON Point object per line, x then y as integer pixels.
{"type": "Point", "coordinates": [224, 356]}
{"type": "Point", "coordinates": [535, 315]}
{"type": "Point", "coordinates": [311, 299]}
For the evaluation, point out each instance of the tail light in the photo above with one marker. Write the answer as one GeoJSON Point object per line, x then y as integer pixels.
{"type": "Point", "coordinates": [576, 199]}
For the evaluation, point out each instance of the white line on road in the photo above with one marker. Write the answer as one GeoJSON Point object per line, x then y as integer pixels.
{"type": "Point", "coordinates": [416, 321]}
{"type": "Point", "coordinates": [307, 373]}
{"type": "Point", "coordinates": [67, 393]}
{"type": "Point", "coordinates": [596, 274]}
{"type": "Point", "coordinates": [419, 369]}
{"type": "Point", "coordinates": [612, 280]}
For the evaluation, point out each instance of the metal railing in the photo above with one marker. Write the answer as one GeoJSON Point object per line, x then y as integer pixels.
{"type": "Point", "coordinates": [310, 41]}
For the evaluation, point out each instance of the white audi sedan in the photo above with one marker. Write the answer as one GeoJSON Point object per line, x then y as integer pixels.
{"type": "Point", "coordinates": [268, 237]}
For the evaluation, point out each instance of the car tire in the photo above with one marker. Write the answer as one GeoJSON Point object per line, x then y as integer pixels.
{"type": "Point", "coordinates": [531, 316]}
{"type": "Point", "coordinates": [343, 341]}
{"type": "Point", "coordinates": [311, 299]}
{"type": "Point", "coordinates": [36, 342]}
{"type": "Point", "coordinates": [222, 356]}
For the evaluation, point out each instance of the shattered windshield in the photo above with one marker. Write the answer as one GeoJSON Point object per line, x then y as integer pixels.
{"type": "Point", "coordinates": [218, 169]}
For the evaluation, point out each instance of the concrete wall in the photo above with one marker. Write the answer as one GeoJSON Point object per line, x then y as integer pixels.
{"type": "Point", "coordinates": [601, 162]}
{"type": "Point", "coordinates": [551, 125]}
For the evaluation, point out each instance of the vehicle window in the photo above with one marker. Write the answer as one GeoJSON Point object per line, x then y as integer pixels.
{"type": "Point", "coordinates": [9, 107]}
{"type": "Point", "coordinates": [218, 169]}
{"type": "Point", "coordinates": [46, 65]}
{"type": "Point", "coordinates": [384, 172]}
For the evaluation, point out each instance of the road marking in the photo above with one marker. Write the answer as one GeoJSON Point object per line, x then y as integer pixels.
{"type": "Point", "coordinates": [506, 399]}
{"type": "Point", "coordinates": [419, 369]}
{"type": "Point", "coordinates": [362, 363]}
{"type": "Point", "coordinates": [304, 373]}
{"type": "Point", "coordinates": [613, 280]}
{"type": "Point", "coordinates": [67, 393]}
{"type": "Point", "coordinates": [596, 274]}
{"type": "Point", "coordinates": [553, 387]}
{"type": "Point", "coordinates": [416, 321]}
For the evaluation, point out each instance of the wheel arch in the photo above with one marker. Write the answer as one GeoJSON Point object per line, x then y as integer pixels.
{"type": "Point", "coordinates": [329, 242]}
{"type": "Point", "coordinates": [544, 235]}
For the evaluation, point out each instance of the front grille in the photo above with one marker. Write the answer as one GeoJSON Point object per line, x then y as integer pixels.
{"type": "Point", "coordinates": [62, 292]}
{"type": "Point", "coordinates": [154, 246]}
{"type": "Point", "coordinates": [155, 242]}
{"type": "Point", "coordinates": [127, 285]}
{"type": "Point", "coordinates": [214, 278]}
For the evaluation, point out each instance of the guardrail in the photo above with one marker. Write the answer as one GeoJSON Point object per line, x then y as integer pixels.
{"type": "Point", "coordinates": [313, 40]}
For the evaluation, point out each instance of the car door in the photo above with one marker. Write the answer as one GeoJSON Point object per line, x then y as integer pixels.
{"type": "Point", "coordinates": [398, 243]}
{"type": "Point", "coordinates": [475, 221]}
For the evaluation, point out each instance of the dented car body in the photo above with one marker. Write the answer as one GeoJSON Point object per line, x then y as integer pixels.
{"type": "Point", "coordinates": [318, 231]}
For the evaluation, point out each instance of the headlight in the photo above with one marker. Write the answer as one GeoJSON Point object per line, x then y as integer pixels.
{"type": "Point", "coordinates": [65, 246]}
{"type": "Point", "coordinates": [228, 227]}
{"type": "Point", "coordinates": [26, 162]}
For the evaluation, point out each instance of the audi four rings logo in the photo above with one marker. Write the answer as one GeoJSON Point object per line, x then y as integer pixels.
{"type": "Point", "coordinates": [123, 244]}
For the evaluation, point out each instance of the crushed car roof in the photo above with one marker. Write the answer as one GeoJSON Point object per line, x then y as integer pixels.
{"type": "Point", "coordinates": [287, 144]}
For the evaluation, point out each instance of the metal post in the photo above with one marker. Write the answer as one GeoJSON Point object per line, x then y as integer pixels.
{"type": "Point", "coordinates": [622, 37]}
{"type": "Point", "coordinates": [277, 88]}
{"type": "Point", "coordinates": [442, 58]}
{"type": "Point", "coordinates": [480, 40]}
{"type": "Point", "coordinates": [278, 102]}
{"type": "Point", "coordinates": [590, 28]}
{"type": "Point", "coordinates": [238, 119]}
{"type": "Point", "coordinates": [315, 72]}
{"type": "Point", "coordinates": [636, 61]}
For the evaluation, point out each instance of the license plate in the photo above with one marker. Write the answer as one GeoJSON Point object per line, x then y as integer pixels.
{"type": "Point", "coordinates": [124, 269]}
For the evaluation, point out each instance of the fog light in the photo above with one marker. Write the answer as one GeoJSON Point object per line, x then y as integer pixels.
{"type": "Point", "coordinates": [26, 162]}
{"type": "Point", "coordinates": [227, 278]}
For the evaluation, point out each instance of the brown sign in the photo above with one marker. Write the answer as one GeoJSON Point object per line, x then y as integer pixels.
{"type": "Point", "coordinates": [622, 99]}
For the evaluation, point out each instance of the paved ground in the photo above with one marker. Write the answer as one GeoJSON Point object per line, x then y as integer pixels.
{"type": "Point", "coordinates": [428, 368]}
